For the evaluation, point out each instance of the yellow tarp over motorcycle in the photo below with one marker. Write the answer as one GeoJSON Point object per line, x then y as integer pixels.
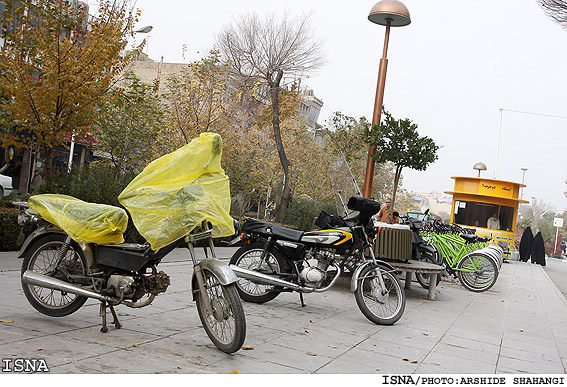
{"type": "Point", "coordinates": [83, 222]}
{"type": "Point", "coordinates": [176, 192]}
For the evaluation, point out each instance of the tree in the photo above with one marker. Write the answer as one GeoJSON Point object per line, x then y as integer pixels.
{"type": "Point", "coordinates": [399, 142]}
{"type": "Point", "coordinates": [56, 64]}
{"type": "Point", "coordinates": [128, 124]}
{"type": "Point", "coordinates": [346, 142]}
{"type": "Point", "coordinates": [263, 51]}
{"type": "Point", "coordinates": [556, 10]}
{"type": "Point", "coordinates": [199, 97]}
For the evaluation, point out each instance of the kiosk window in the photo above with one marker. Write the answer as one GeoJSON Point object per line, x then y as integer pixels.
{"type": "Point", "coordinates": [476, 214]}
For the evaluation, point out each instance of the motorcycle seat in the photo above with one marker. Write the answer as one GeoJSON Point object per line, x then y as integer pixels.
{"type": "Point", "coordinates": [266, 228]}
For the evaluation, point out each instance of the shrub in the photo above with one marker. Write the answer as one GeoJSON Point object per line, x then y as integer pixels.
{"type": "Point", "coordinates": [303, 211]}
{"type": "Point", "coordinates": [9, 229]}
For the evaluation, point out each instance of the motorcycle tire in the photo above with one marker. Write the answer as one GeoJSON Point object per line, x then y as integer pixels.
{"type": "Point", "coordinates": [226, 326]}
{"type": "Point", "coordinates": [423, 278]}
{"type": "Point", "coordinates": [39, 258]}
{"type": "Point", "coordinates": [382, 309]}
{"type": "Point", "coordinates": [248, 257]}
{"type": "Point", "coordinates": [477, 273]}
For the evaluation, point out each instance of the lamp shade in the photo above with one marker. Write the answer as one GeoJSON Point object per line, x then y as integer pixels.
{"type": "Point", "coordinates": [480, 166]}
{"type": "Point", "coordinates": [392, 10]}
{"type": "Point", "coordinates": [144, 30]}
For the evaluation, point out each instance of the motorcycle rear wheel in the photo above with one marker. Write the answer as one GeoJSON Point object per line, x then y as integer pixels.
{"type": "Point", "coordinates": [249, 257]}
{"type": "Point", "coordinates": [382, 309]}
{"type": "Point", "coordinates": [226, 326]}
{"type": "Point", "coordinates": [41, 258]}
{"type": "Point", "coordinates": [423, 278]}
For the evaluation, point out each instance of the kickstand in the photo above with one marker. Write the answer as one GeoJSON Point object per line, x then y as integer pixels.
{"type": "Point", "coordinates": [116, 323]}
{"type": "Point", "coordinates": [301, 299]}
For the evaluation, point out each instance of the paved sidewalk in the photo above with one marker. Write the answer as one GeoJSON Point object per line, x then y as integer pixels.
{"type": "Point", "coordinates": [519, 326]}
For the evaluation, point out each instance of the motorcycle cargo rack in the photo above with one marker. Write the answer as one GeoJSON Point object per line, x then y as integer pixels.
{"type": "Point", "coordinates": [393, 241]}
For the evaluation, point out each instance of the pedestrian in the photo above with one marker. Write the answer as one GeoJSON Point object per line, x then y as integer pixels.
{"type": "Point", "coordinates": [384, 213]}
{"type": "Point", "coordinates": [538, 250]}
{"type": "Point", "coordinates": [526, 244]}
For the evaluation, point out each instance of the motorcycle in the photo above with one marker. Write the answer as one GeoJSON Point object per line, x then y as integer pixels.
{"type": "Point", "coordinates": [274, 259]}
{"type": "Point", "coordinates": [69, 257]}
{"type": "Point", "coordinates": [421, 251]}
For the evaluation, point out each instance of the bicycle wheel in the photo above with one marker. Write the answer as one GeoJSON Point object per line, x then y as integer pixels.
{"type": "Point", "coordinates": [477, 273]}
{"type": "Point", "coordinates": [41, 258]}
{"type": "Point", "coordinates": [381, 306]}
{"type": "Point", "coordinates": [226, 325]}
{"type": "Point", "coordinates": [250, 257]}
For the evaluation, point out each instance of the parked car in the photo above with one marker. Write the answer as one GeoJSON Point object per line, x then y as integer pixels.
{"type": "Point", "coordinates": [5, 186]}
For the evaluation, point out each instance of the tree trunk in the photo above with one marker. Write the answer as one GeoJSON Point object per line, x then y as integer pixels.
{"type": "Point", "coordinates": [274, 91]}
{"type": "Point", "coordinates": [396, 181]}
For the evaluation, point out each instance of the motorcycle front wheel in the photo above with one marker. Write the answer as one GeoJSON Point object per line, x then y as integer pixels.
{"type": "Point", "coordinates": [250, 257]}
{"type": "Point", "coordinates": [42, 258]}
{"type": "Point", "coordinates": [226, 324]}
{"type": "Point", "coordinates": [381, 306]}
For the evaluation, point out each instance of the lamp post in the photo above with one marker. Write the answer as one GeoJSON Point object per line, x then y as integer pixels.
{"type": "Point", "coordinates": [479, 167]}
{"type": "Point", "coordinates": [389, 13]}
{"type": "Point", "coordinates": [523, 176]}
{"type": "Point", "coordinates": [145, 30]}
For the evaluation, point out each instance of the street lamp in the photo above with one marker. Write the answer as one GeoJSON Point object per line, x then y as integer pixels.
{"type": "Point", "coordinates": [389, 13]}
{"type": "Point", "coordinates": [479, 167]}
{"type": "Point", "coordinates": [523, 176]}
{"type": "Point", "coordinates": [144, 30]}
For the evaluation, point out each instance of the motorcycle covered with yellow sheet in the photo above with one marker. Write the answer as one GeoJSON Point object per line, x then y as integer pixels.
{"type": "Point", "coordinates": [179, 200]}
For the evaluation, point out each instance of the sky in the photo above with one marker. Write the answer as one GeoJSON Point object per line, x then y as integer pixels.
{"type": "Point", "coordinates": [466, 72]}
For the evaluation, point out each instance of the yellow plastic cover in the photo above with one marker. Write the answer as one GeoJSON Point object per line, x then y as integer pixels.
{"type": "Point", "coordinates": [176, 192]}
{"type": "Point", "coordinates": [83, 222]}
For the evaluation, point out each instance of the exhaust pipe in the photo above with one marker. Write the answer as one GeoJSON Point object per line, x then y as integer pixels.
{"type": "Point", "coordinates": [32, 278]}
{"type": "Point", "coordinates": [268, 280]}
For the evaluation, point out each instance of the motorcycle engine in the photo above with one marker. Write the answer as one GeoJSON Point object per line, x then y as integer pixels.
{"type": "Point", "coordinates": [121, 284]}
{"type": "Point", "coordinates": [128, 287]}
{"type": "Point", "coordinates": [315, 267]}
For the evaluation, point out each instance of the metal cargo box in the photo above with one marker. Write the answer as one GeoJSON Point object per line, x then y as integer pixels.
{"type": "Point", "coordinates": [393, 241]}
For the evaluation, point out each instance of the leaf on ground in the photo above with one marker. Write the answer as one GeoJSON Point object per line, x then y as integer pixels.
{"type": "Point", "coordinates": [197, 362]}
{"type": "Point", "coordinates": [311, 353]}
{"type": "Point", "coordinates": [6, 321]}
{"type": "Point", "coordinates": [247, 347]}
{"type": "Point", "coordinates": [234, 372]}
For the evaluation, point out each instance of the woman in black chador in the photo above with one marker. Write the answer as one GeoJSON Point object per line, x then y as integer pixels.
{"type": "Point", "coordinates": [526, 244]}
{"type": "Point", "coordinates": [538, 250]}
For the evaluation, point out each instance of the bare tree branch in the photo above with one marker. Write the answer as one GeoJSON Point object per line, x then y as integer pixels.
{"type": "Point", "coordinates": [263, 51]}
{"type": "Point", "coordinates": [556, 10]}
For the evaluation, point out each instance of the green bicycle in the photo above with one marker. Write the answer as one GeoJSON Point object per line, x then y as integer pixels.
{"type": "Point", "coordinates": [466, 256]}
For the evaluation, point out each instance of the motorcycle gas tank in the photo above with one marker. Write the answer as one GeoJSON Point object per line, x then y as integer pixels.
{"type": "Point", "coordinates": [337, 237]}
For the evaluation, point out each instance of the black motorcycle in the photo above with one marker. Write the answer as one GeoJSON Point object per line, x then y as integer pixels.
{"type": "Point", "coordinates": [421, 251]}
{"type": "Point", "coordinates": [275, 259]}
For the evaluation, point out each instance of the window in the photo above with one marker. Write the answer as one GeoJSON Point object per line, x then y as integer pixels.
{"type": "Point", "coordinates": [477, 214]}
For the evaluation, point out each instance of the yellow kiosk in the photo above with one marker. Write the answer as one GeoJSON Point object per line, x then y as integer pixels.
{"type": "Point", "coordinates": [490, 206]}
